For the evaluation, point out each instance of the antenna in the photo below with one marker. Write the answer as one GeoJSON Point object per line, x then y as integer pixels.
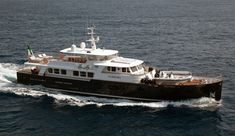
{"type": "Point", "coordinates": [93, 40]}
{"type": "Point", "coordinates": [73, 35]}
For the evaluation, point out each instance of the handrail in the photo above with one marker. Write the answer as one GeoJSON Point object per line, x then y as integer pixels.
{"type": "Point", "coordinates": [209, 75]}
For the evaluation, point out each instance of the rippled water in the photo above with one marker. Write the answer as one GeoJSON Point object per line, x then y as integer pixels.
{"type": "Point", "coordinates": [195, 35]}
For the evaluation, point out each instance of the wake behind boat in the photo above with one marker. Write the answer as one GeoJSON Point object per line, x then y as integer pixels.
{"type": "Point", "coordinates": [102, 72]}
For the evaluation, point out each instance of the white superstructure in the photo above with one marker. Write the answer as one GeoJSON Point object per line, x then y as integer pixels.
{"type": "Point", "coordinates": [86, 63]}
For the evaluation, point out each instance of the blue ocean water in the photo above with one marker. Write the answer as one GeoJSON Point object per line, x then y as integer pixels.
{"type": "Point", "coordinates": [194, 35]}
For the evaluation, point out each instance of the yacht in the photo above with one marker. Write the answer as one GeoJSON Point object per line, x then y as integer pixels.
{"type": "Point", "coordinates": [91, 71]}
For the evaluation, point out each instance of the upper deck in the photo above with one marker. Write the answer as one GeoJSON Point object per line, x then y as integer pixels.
{"type": "Point", "coordinates": [120, 62]}
{"type": "Point", "coordinates": [92, 51]}
{"type": "Point", "coordinates": [88, 51]}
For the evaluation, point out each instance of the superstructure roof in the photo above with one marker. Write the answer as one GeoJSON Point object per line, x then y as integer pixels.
{"type": "Point", "coordinates": [89, 51]}
{"type": "Point", "coordinates": [120, 62]}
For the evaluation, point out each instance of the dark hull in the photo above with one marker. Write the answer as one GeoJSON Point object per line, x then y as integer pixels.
{"type": "Point", "coordinates": [140, 92]}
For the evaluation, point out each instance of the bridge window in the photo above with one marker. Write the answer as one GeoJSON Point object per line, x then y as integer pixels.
{"type": "Point", "coordinates": [134, 69]}
{"type": "Point", "coordinates": [75, 73]}
{"type": "Point", "coordinates": [90, 74]}
{"type": "Point", "coordinates": [63, 72]}
{"type": "Point", "coordinates": [56, 71]}
{"type": "Point", "coordinates": [82, 74]}
{"type": "Point", "coordinates": [140, 67]}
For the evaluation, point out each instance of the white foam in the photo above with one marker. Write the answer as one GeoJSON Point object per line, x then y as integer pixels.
{"type": "Point", "coordinates": [8, 71]}
{"type": "Point", "coordinates": [75, 100]}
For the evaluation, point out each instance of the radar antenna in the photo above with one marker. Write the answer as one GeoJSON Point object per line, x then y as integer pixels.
{"type": "Point", "coordinates": [93, 40]}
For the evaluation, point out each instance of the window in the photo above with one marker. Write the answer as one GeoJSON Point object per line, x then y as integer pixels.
{"type": "Point", "coordinates": [76, 59]}
{"type": "Point", "coordinates": [75, 73]}
{"type": "Point", "coordinates": [105, 58]}
{"type": "Point", "coordinates": [113, 69]}
{"type": "Point", "coordinates": [90, 74]}
{"type": "Point", "coordinates": [140, 67]}
{"type": "Point", "coordinates": [108, 68]}
{"type": "Point", "coordinates": [124, 70]}
{"type": "Point", "coordinates": [82, 74]}
{"type": "Point", "coordinates": [133, 69]}
{"type": "Point", "coordinates": [56, 71]}
{"type": "Point", "coordinates": [50, 70]}
{"type": "Point", "coordinates": [91, 57]}
{"type": "Point", "coordinates": [128, 70]}
{"type": "Point", "coordinates": [73, 59]}
{"type": "Point", "coordinates": [63, 72]}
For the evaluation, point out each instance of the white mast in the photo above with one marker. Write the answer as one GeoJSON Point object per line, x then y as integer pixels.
{"type": "Point", "coordinates": [93, 40]}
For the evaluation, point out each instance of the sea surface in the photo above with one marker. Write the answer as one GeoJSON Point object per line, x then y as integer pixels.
{"type": "Point", "coordinates": [194, 35]}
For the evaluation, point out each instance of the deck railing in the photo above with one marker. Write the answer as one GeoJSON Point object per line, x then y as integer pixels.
{"type": "Point", "coordinates": [209, 77]}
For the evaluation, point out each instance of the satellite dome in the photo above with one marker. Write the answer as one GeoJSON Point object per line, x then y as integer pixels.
{"type": "Point", "coordinates": [82, 45]}
{"type": "Point", "coordinates": [73, 47]}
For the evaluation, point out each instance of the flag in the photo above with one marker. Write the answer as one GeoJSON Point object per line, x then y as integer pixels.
{"type": "Point", "coordinates": [30, 52]}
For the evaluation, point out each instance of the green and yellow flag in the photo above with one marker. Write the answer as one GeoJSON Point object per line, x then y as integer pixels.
{"type": "Point", "coordinates": [30, 52]}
